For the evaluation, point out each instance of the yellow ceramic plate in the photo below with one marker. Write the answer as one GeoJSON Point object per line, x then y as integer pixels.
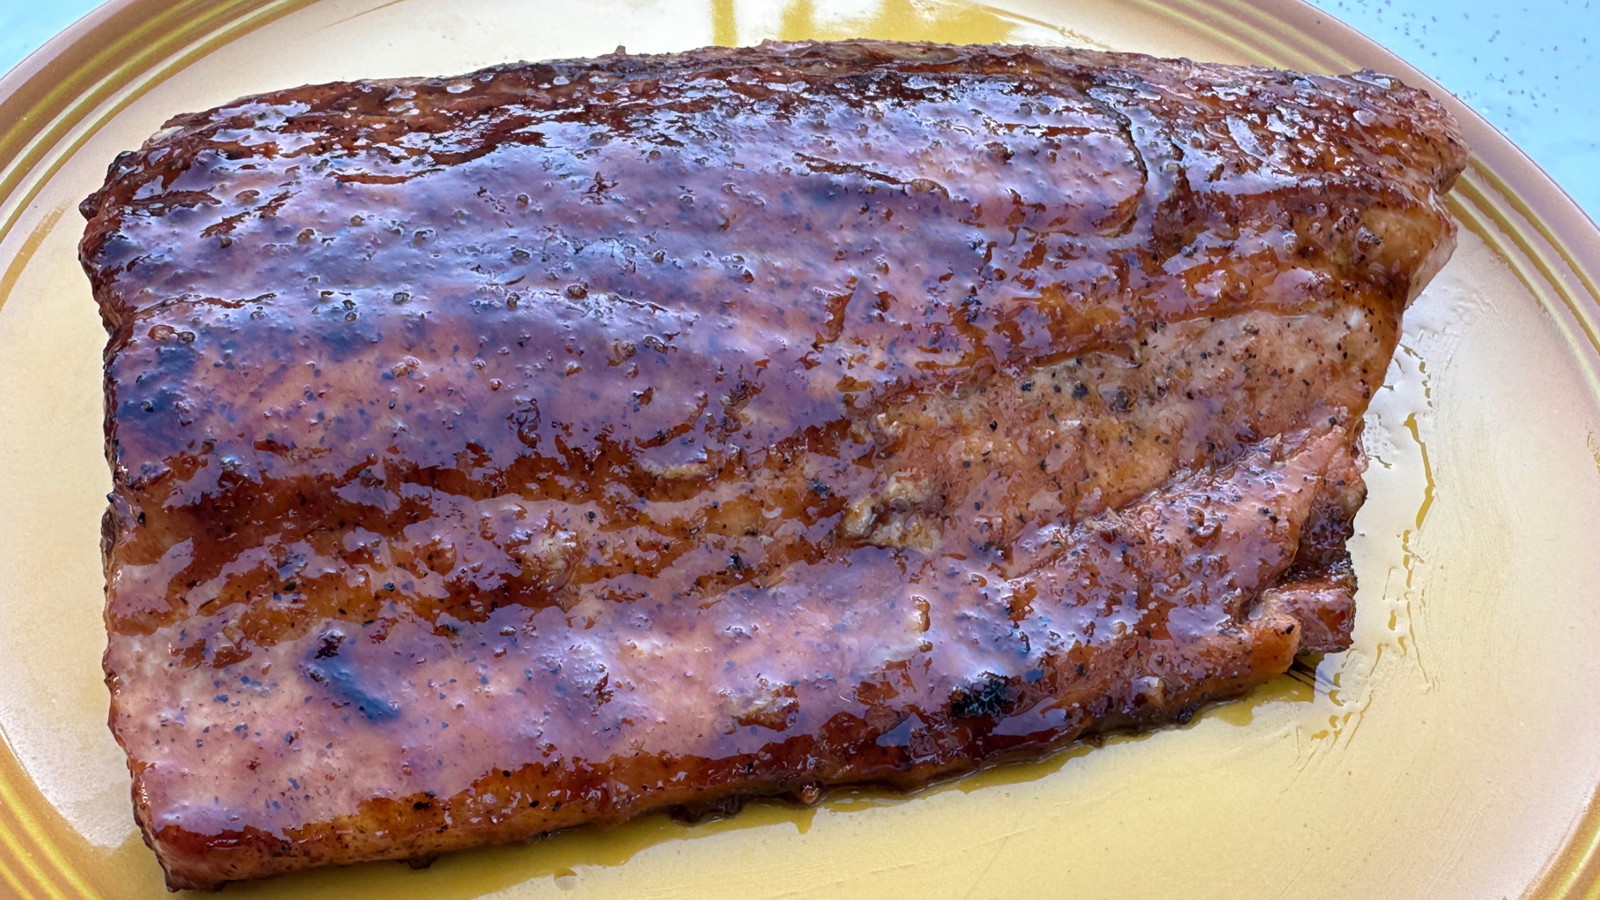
{"type": "Point", "coordinates": [1455, 752]}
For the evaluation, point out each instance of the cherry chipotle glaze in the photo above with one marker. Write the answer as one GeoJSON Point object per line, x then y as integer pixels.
{"type": "Point", "coordinates": [539, 447]}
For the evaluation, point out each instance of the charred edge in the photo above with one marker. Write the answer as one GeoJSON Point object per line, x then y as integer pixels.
{"type": "Point", "coordinates": [696, 813]}
{"type": "Point", "coordinates": [327, 668]}
{"type": "Point", "coordinates": [988, 695]}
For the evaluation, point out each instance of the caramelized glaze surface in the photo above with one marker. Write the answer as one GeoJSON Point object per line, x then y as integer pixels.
{"type": "Point", "coordinates": [539, 447]}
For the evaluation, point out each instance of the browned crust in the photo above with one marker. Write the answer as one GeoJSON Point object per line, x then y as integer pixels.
{"type": "Point", "coordinates": [739, 422]}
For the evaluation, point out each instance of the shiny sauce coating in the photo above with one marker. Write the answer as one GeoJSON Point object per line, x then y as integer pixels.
{"type": "Point", "coordinates": [539, 447]}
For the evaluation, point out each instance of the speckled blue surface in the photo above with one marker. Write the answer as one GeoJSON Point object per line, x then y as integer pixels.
{"type": "Point", "coordinates": [1531, 67]}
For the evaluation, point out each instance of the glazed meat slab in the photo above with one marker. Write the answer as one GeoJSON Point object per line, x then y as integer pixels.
{"type": "Point", "coordinates": [543, 446]}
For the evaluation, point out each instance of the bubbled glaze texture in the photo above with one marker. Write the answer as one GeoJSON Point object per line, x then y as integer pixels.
{"type": "Point", "coordinates": [542, 446]}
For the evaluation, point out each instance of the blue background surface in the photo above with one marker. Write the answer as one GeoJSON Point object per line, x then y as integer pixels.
{"type": "Point", "coordinates": [1532, 68]}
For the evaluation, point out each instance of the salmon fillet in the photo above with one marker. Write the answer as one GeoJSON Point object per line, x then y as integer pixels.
{"type": "Point", "coordinates": [544, 446]}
